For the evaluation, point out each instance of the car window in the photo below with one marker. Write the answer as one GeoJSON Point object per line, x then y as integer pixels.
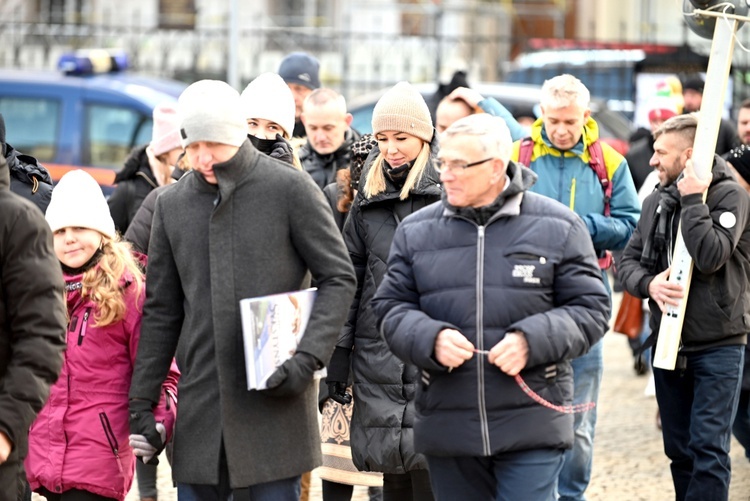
{"type": "Point", "coordinates": [110, 133]}
{"type": "Point", "coordinates": [31, 125]}
{"type": "Point", "coordinates": [362, 118]}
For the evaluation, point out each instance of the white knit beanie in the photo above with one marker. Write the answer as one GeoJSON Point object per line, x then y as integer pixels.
{"type": "Point", "coordinates": [269, 97]}
{"type": "Point", "coordinates": [403, 109]}
{"type": "Point", "coordinates": [210, 110]}
{"type": "Point", "coordinates": [78, 201]}
{"type": "Point", "coordinates": [165, 135]}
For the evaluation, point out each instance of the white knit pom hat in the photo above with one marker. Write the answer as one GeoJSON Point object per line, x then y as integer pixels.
{"type": "Point", "coordinates": [78, 202]}
{"type": "Point", "coordinates": [269, 97]}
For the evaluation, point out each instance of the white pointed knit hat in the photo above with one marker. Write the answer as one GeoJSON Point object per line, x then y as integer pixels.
{"type": "Point", "coordinates": [78, 202]}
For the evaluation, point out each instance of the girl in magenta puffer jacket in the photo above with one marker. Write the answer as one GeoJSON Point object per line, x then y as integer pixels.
{"type": "Point", "coordinates": [78, 445]}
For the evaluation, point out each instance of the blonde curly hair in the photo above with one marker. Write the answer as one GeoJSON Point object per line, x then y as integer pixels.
{"type": "Point", "coordinates": [102, 283]}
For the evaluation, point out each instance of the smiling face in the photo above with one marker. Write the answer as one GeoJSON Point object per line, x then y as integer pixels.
{"type": "Point", "coordinates": [203, 155]}
{"type": "Point", "coordinates": [75, 246]}
{"type": "Point", "coordinates": [670, 155]}
{"type": "Point", "coordinates": [564, 126]}
{"type": "Point", "coordinates": [398, 148]}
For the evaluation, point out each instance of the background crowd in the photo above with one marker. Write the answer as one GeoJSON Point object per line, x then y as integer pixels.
{"type": "Point", "coordinates": [462, 266]}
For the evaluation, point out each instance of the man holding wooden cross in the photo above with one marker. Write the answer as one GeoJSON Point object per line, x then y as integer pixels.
{"type": "Point", "coordinates": [699, 397]}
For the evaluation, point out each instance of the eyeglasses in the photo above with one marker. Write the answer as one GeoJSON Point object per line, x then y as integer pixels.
{"type": "Point", "coordinates": [457, 166]}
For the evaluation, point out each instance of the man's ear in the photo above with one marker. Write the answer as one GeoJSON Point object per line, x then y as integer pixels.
{"type": "Point", "coordinates": [349, 117]}
{"type": "Point", "coordinates": [586, 115]}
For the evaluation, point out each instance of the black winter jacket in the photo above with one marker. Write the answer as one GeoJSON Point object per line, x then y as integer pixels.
{"type": "Point", "coordinates": [530, 268]}
{"type": "Point", "coordinates": [717, 236]}
{"type": "Point", "coordinates": [28, 178]}
{"type": "Point", "coordinates": [323, 168]}
{"type": "Point", "coordinates": [384, 387]}
{"type": "Point", "coordinates": [32, 321]}
{"type": "Point", "coordinates": [134, 182]}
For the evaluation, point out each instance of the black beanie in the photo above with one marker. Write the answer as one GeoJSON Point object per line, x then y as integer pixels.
{"type": "Point", "coordinates": [694, 82]}
{"type": "Point", "coordinates": [739, 157]}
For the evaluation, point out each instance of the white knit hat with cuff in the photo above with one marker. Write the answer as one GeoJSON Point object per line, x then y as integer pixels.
{"type": "Point", "coordinates": [211, 110]}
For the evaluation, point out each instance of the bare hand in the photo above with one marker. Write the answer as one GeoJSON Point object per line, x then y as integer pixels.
{"type": "Point", "coordinates": [452, 348]}
{"type": "Point", "coordinates": [511, 354]}
{"type": "Point", "coordinates": [690, 183]}
{"type": "Point", "coordinates": [5, 447]}
{"type": "Point", "coordinates": [467, 95]}
{"type": "Point", "coordinates": [664, 292]}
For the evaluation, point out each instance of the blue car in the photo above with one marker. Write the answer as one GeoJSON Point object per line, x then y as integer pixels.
{"type": "Point", "coordinates": [69, 120]}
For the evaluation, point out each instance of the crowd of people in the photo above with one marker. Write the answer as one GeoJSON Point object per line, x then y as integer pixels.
{"type": "Point", "coordinates": [461, 262]}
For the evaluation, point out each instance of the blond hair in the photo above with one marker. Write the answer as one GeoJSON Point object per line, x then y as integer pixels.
{"type": "Point", "coordinates": [375, 180]}
{"type": "Point", "coordinates": [102, 283]}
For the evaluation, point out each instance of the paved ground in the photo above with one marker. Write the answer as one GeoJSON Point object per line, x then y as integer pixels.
{"type": "Point", "coordinates": [629, 464]}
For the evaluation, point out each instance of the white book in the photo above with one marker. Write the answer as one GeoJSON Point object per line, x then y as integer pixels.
{"type": "Point", "coordinates": [272, 327]}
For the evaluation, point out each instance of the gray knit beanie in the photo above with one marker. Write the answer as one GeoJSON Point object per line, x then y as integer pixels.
{"type": "Point", "coordinates": [211, 110]}
{"type": "Point", "coordinates": [403, 109]}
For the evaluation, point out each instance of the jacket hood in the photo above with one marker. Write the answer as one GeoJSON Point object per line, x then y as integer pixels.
{"type": "Point", "coordinates": [136, 162]}
{"type": "Point", "coordinates": [25, 167]}
{"type": "Point", "coordinates": [720, 171]}
{"type": "Point", "coordinates": [590, 134]}
{"type": "Point", "coordinates": [429, 184]}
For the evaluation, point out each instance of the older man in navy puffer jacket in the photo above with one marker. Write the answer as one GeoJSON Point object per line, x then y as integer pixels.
{"type": "Point", "coordinates": [491, 293]}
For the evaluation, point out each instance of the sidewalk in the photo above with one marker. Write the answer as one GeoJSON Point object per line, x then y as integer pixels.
{"type": "Point", "coordinates": [629, 463]}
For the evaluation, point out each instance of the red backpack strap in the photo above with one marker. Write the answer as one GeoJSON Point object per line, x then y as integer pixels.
{"type": "Point", "coordinates": [597, 163]}
{"type": "Point", "coordinates": [524, 151]}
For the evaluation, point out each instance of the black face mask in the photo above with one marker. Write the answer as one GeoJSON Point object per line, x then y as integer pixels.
{"type": "Point", "coordinates": [265, 146]}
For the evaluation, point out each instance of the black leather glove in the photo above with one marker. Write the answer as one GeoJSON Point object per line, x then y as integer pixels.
{"type": "Point", "coordinates": [142, 422]}
{"type": "Point", "coordinates": [293, 376]}
{"type": "Point", "coordinates": [282, 150]}
{"type": "Point", "coordinates": [338, 375]}
{"type": "Point", "coordinates": [337, 392]}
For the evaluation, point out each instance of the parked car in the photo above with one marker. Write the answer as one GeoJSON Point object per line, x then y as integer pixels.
{"type": "Point", "coordinates": [81, 119]}
{"type": "Point", "coordinates": [522, 100]}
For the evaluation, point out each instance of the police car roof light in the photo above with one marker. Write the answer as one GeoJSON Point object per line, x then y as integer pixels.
{"type": "Point", "coordinates": [90, 61]}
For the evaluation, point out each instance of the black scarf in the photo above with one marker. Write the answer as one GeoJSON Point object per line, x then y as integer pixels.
{"type": "Point", "coordinates": [85, 267]}
{"type": "Point", "coordinates": [657, 241]}
{"type": "Point", "coordinates": [397, 175]}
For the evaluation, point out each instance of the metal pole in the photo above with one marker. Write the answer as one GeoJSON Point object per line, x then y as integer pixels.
{"type": "Point", "coordinates": [719, 62]}
{"type": "Point", "coordinates": [233, 42]}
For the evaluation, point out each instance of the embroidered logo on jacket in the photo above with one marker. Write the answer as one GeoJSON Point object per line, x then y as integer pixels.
{"type": "Point", "coordinates": [526, 271]}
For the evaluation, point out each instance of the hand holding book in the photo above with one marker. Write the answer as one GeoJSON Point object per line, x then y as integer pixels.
{"type": "Point", "coordinates": [293, 376]}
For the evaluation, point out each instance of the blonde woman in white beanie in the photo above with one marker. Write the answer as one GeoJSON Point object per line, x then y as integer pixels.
{"type": "Point", "coordinates": [88, 405]}
{"type": "Point", "coordinates": [398, 179]}
{"type": "Point", "coordinates": [268, 105]}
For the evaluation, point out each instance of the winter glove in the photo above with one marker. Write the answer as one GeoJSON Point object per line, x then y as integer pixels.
{"type": "Point", "coordinates": [282, 150]}
{"type": "Point", "coordinates": [293, 376]}
{"type": "Point", "coordinates": [338, 376]}
{"type": "Point", "coordinates": [142, 422]}
{"type": "Point", "coordinates": [143, 449]}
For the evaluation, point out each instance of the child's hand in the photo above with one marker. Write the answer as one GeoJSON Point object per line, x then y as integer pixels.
{"type": "Point", "coordinates": [143, 449]}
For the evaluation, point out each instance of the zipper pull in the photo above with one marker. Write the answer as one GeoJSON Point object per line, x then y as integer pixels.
{"type": "Point", "coordinates": [83, 327]}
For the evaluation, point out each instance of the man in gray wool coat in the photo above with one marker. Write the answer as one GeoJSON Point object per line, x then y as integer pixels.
{"type": "Point", "coordinates": [239, 225]}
